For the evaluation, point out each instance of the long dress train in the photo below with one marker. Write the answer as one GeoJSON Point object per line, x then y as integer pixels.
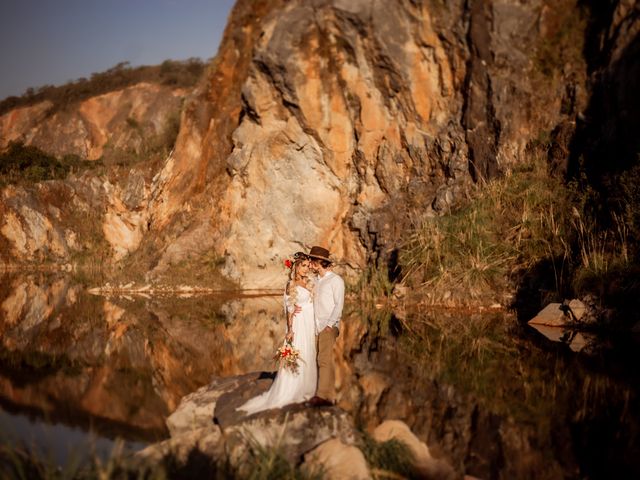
{"type": "Point", "coordinates": [293, 387]}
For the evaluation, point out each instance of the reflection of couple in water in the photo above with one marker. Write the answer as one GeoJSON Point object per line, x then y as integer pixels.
{"type": "Point", "coordinates": [313, 301]}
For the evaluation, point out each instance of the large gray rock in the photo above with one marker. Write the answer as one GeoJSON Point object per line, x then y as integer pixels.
{"type": "Point", "coordinates": [294, 430]}
{"type": "Point", "coordinates": [208, 421]}
{"type": "Point", "coordinates": [196, 409]}
{"type": "Point", "coordinates": [249, 386]}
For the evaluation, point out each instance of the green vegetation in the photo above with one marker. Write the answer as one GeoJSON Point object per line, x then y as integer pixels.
{"type": "Point", "coordinates": [508, 226]}
{"type": "Point", "coordinates": [563, 41]}
{"type": "Point", "coordinates": [173, 73]}
{"type": "Point", "coordinates": [22, 164]}
{"type": "Point", "coordinates": [20, 462]}
{"type": "Point", "coordinates": [390, 459]}
{"type": "Point", "coordinates": [271, 464]}
{"type": "Point", "coordinates": [145, 146]}
{"type": "Point", "coordinates": [24, 463]}
{"type": "Point", "coordinates": [528, 230]}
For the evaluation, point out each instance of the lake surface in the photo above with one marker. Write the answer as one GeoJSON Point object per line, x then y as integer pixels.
{"type": "Point", "coordinates": [81, 367]}
{"type": "Point", "coordinates": [505, 400]}
{"type": "Point", "coordinates": [78, 371]}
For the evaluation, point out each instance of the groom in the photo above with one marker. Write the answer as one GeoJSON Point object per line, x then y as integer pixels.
{"type": "Point", "coordinates": [328, 300]}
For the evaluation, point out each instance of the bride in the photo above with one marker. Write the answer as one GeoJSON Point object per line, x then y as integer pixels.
{"type": "Point", "coordinates": [293, 387]}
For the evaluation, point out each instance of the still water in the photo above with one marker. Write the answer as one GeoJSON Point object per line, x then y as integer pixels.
{"type": "Point", "coordinates": [78, 370]}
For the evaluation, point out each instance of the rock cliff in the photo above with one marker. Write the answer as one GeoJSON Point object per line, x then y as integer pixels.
{"type": "Point", "coordinates": [341, 123]}
{"type": "Point", "coordinates": [122, 120]}
{"type": "Point", "coordinates": [331, 122]}
{"type": "Point", "coordinates": [100, 213]}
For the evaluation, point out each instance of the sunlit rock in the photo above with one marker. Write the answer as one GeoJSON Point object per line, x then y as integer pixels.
{"type": "Point", "coordinates": [425, 464]}
{"type": "Point", "coordinates": [337, 460]}
{"type": "Point", "coordinates": [118, 118]}
{"type": "Point", "coordinates": [551, 315]}
{"type": "Point", "coordinates": [196, 410]}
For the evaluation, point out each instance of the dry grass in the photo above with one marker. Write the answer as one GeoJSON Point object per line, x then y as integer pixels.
{"type": "Point", "coordinates": [508, 225]}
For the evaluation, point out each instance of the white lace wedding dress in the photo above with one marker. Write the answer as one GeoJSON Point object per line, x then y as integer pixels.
{"type": "Point", "coordinates": [293, 387]}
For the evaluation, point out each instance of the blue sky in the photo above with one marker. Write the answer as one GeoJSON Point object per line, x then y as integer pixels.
{"type": "Point", "coordinates": [54, 41]}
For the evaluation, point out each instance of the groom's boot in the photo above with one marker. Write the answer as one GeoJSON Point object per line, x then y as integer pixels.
{"type": "Point", "coordinates": [319, 402]}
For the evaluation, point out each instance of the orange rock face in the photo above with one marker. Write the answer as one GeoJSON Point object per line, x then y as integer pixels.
{"type": "Point", "coordinates": [118, 118]}
{"type": "Point", "coordinates": [323, 118]}
{"type": "Point", "coordinates": [328, 122]}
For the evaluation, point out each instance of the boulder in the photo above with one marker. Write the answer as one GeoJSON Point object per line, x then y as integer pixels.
{"type": "Point", "coordinates": [337, 461]}
{"type": "Point", "coordinates": [196, 409]}
{"type": "Point", "coordinates": [551, 315]}
{"type": "Point", "coordinates": [207, 426]}
{"type": "Point", "coordinates": [294, 430]}
{"type": "Point", "coordinates": [207, 440]}
{"type": "Point", "coordinates": [245, 387]}
{"type": "Point", "coordinates": [208, 421]}
{"type": "Point", "coordinates": [425, 464]}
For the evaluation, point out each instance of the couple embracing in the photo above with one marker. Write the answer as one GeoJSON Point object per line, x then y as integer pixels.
{"type": "Point", "coordinates": [313, 301]}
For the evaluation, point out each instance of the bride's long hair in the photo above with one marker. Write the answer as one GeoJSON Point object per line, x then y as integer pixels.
{"type": "Point", "coordinates": [291, 292]}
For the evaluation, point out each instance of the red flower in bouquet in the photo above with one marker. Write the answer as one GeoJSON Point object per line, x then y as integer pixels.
{"type": "Point", "coordinates": [287, 357]}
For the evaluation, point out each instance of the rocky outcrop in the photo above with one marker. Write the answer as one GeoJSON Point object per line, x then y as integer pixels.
{"type": "Point", "coordinates": [348, 122]}
{"type": "Point", "coordinates": [87, 215]}
{"type": "Point", "coordinates": [118, 121]}
{"type": "Point", "coordinates": [605, 140]}
{"type": "Point", "coordinates": [325, 439]}
{"type": "Point", "coordinates": [294, 429]}
{"type": "Point", "coordinates": [337, 123]}
{"type": "Point", "coordinates": [59, 220]}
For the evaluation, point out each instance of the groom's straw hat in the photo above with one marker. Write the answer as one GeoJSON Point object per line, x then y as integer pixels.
{"type": "Point", "coordinates": [320, 253]}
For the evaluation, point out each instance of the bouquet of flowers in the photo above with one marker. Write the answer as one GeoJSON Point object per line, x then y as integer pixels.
{"type": "Point", "coordinates": [287, 357]}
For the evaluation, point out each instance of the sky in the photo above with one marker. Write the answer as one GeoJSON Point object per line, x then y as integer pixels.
{"type": "Point", "coordinates": [50, 42]}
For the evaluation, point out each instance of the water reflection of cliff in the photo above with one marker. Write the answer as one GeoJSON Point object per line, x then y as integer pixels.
{"type": "Point", "coordinates": [121, 364]}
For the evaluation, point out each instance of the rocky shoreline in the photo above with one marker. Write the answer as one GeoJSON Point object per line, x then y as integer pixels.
{"type": "Point", "coordinates": [327, 439]}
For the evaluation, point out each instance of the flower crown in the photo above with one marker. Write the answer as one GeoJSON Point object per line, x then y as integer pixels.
{"type": "Point", "coordinates": [288, 262]}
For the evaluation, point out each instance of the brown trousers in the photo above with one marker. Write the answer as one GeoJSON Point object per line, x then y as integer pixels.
{"type": "Point", "coordinates": [326, 375]}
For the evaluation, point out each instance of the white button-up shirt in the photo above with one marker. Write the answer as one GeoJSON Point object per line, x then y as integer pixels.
{"type": "Point", "coordinates": [328, 300]}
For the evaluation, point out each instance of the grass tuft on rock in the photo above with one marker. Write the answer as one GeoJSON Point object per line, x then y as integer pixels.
{"type": "Point", "coordinates": [389, 459]}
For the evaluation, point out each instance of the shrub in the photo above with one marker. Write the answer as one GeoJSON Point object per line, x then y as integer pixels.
{"type": "Point", "coordinates": [21, 163]}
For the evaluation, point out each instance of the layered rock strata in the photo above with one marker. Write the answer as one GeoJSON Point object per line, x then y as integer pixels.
{"type": "Point", "coordinates": [345, 123]}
